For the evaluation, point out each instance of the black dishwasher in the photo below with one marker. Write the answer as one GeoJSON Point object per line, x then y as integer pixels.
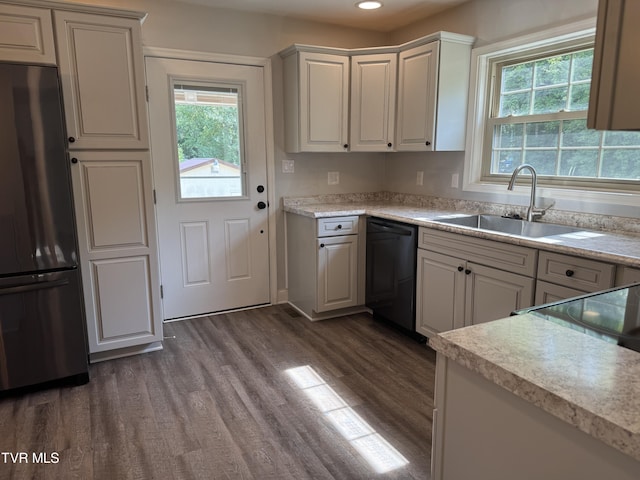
{"type": "Point", "coordinates": [391, 272]}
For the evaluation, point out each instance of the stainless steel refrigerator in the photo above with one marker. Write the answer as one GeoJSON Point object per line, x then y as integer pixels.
{"type": "Point", "coordinates": [42, 325]}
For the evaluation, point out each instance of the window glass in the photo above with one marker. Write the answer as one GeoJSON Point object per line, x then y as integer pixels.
{"type": "Point", "coordinates": [539, 118]}
{"type": "Point", "coordinates": [209, 140]}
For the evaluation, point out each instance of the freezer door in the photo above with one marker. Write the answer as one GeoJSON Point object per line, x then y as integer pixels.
{"type": "Point", "coordinates": [42, 329]}
{"type": "Point", "coordinates": [36, 210]}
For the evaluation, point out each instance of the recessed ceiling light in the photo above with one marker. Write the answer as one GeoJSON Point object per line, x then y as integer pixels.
{"type": "Point", "coordinates": [369, 5]}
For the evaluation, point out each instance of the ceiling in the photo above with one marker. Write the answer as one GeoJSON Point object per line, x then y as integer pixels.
{"type": "Point", "coordinates": [394, 14]}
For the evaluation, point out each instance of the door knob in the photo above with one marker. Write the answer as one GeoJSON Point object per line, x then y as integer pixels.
{"type": "Point", "coordinates": [262, 205]}
{"type": "Point", "coordinates": [260, 188]}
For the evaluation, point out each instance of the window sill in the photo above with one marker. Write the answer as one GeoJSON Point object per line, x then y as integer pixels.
{"type": "Point", "coordinates": [559, 194]}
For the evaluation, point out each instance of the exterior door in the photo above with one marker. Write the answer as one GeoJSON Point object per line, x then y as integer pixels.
{"type": "Point", "coordinates": [208, 136]}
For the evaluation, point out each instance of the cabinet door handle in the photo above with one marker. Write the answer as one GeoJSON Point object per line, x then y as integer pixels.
{"type": "Point", "coordinates": [74, 160]}
{"type": "Point", "coordinates": [427, 143]}
{"type": "Point", "coordinates": [72, 139]}
{"type": "Point", "coordinates": [339, 227]}
{"type": "Point", "coordinates": [467, 272]}
{"type": "Point", "coordinates": [389, 144]}
{"type": "Point", "coordinates": [569, 273]}
{"type": "Point", "coordinates": [460, 268]}
{"type": "Point", "coordinates": [346, 145]}
{"type": "Point", "coordinates": [322, 245]}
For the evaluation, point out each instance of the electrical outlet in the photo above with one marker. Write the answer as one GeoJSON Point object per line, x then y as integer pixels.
{"type": "Point", "coordinates": [333, 178]}
{"type": "Point", "coordinates": [288, 166]}
{"type": "Point", "coordinates": [455, 180]}
{"type": "Point", "coordinates": [419, 178]}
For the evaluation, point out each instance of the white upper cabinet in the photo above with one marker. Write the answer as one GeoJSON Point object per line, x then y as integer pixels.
{"type": "Point", "coordinates": [26, 35]}
{"type": "Point", "coordinates": [373, 102]}
{"type": "Point", "coordinates": [614, 102]}
{"type": "Point", "coordinates": [102, 72]}
{"type": "Point", "coordinates": [433, 85]}
{"type": "Point", "coordinates": [411, 97]}
{"type": "Point", "coordinates": [316, 99]}
{"type": "Point", "coordinates": [417, 97]}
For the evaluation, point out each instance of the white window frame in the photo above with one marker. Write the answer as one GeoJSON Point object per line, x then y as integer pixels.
{"type": "Point", "coordinates": [482, 59]}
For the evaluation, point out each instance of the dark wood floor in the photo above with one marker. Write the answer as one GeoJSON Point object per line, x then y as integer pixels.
{"type": "Point", "coordinates": [217, 403]}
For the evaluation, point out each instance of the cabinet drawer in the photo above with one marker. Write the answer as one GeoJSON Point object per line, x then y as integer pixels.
{"type": "Point", "coordinates": [512, 258]}
{"type": "Point", "coordinates": [573, 272]}
{"type": "Point", "coordinates": [329, 227]}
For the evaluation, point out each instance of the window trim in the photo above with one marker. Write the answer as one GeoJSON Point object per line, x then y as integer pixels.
{"type": "Point", "coordinates": [528, 46]}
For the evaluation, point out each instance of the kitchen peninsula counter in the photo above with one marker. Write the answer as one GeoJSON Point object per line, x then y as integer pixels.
{"type": "Point", "coordinates": [590, 385]}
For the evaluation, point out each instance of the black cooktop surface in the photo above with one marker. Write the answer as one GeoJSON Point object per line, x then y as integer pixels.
{"type": "Point", "coordinates": [612, 315]}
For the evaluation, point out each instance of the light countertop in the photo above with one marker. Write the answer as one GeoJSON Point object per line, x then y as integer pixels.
{"type": "Point", "coordinates": [617, 247]}
{"type": "Point", "coordinates": [590, 384]}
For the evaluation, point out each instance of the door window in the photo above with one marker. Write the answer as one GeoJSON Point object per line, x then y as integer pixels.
{"type": "Point", "coordinates": [209, 143]}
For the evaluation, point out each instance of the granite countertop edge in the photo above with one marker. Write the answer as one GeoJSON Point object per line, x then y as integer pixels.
{"type": "Point", "coordinates": [615, 422]}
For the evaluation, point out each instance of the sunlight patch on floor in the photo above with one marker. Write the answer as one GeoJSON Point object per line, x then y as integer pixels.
{"type": "Point", "coordinates": [379, 453]}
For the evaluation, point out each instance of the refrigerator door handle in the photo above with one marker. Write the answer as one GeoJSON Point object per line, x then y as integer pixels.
{"type": "Point", "coordinates": [33, 286]}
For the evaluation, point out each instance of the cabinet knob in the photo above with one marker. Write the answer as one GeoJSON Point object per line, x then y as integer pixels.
{"type": "Point", "coordinates": [339, 227]}
{"type": "Point", "coordinates": [346, 145]}
{"type": "Point", "coordinates": [74, 160]}
{"type": "Point", "coordinates": [460, 268]}
{"type": "Point", "coordinates": [427, 143]}
{"type": "Point", "coordinates": [322, 245]}
{"type": "Point", "coordinates": [72, 139]}
{"type": "Point", "coordinates": [389, 144]}
{"type": "Point", "coordinates": [467, 272]}
{"type": "Point", "coordinates": [569, 273]}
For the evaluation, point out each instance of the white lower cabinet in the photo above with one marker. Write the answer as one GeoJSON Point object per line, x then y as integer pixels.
{"type": "Point", "coordinates": [325, 260]}
{"type": "Point", "coordinates": [118, 250]}
{"type": "Point", "coordinates": [563, 276]}
{"type": "Point", "coordinates": [337, 272]}
{"type": "Point", "coordinates": [457, 287]}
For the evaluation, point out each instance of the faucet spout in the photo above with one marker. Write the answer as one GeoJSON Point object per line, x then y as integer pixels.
{"type": "Point", "coordinates": [533, 213]}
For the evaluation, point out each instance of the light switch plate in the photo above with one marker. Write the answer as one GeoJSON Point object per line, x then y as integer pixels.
{"type": "Point", "coordinates": [333, 178]}
{"type": "Point", "coordinates": [288, 166]}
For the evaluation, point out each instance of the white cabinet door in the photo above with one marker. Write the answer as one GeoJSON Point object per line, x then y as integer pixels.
{"type": "Point", "coordinates": [417, 90]}
{"type": "Point", "coordinates": [26, 35]}
{"type": "Point", "coordinates": [549, 292]}
{"type": "Point", "coordinates": [316, 102]}
{"type": "Point", "coordinates": [492, 294]}
{"type": "Point", "coordinates": [118, 248]}
{"type": "Point", "coordinates": [102, 75]}
{"type": "Point", "coordinates": [337, 272]}
{"type": "Point", "coordinates": [373, 102]}
{"type": "Point", "coordinates": [614, 101]}
{"type": "Point", "coordinates": [440, 287]}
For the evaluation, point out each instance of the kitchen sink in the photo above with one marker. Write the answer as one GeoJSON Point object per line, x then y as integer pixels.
{"type": "Point", "coordinates": [512, 226]}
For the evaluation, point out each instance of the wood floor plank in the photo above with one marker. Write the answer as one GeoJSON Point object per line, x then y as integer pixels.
{"type": "Point", "coordinates": [217, 403]}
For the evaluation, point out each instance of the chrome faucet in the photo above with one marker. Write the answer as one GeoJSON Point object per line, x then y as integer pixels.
{"type": "Point", "coordinates": [533, 213]}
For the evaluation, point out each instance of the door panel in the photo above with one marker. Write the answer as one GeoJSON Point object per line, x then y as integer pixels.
{"type": "Point", "coordinates": [114, 222]}
{"type": "Point", "coordinates": [104, 99]}
{"type": "Point", "coordinates": [493, 294]}
{"type": "Point", "coordinates": [214, 250]}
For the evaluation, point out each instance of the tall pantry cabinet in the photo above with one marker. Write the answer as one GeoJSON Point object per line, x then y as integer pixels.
{"type": "Point", "coordinates": [99, 55]}
{"type": "Point", "coordinates": [102, 71]}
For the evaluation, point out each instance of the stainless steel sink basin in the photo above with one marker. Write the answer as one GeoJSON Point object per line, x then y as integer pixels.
{"type": "Point", "coordinates": [496, 223]}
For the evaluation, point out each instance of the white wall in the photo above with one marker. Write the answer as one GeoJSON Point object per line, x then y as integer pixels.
{"type": "Point", "coordinates": [489, 21]}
